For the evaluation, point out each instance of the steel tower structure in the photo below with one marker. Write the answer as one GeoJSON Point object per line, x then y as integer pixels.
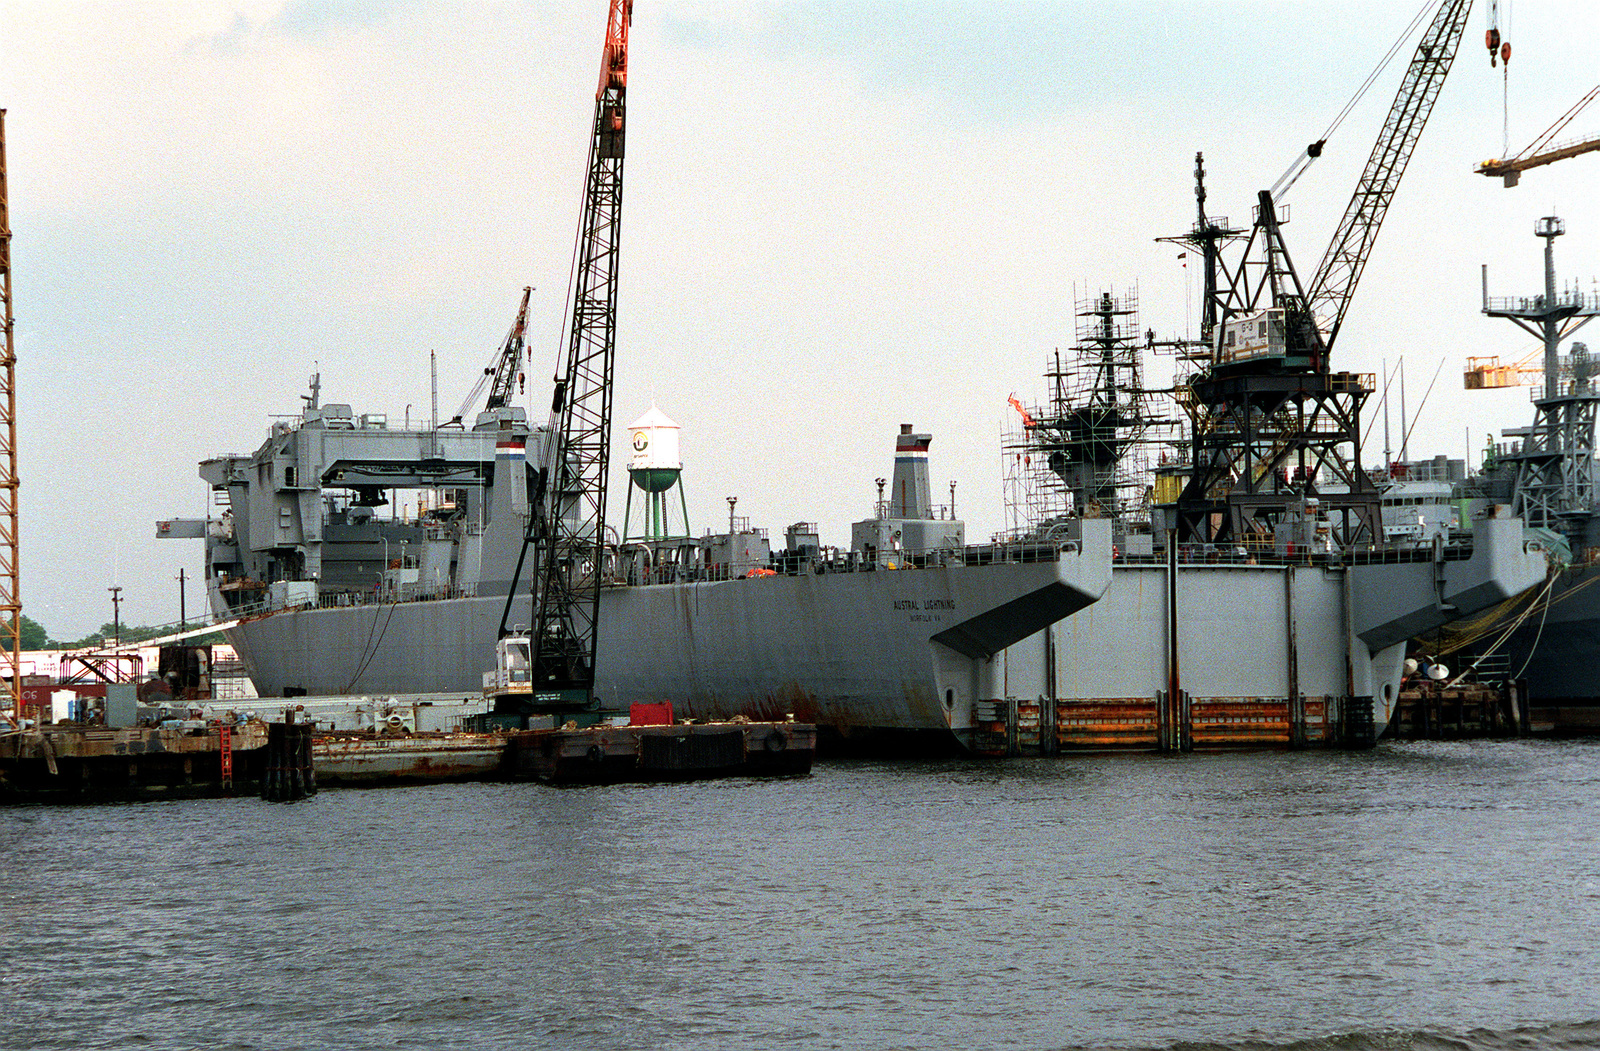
{"type": "Point", "coordinates": [567, 524]}
{"type": "Point", "coordinates": [1555, 467]}
{"type": "Point", "coordinates": [1092, 439]}
{"type": "Point", "coordinates": [10, 577]}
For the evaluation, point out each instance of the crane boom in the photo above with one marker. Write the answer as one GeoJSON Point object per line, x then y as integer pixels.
{"type": "Point", "coordinates": [1575, 148]}
{"type": "Point", "coordinates": [506, 366]}
{"type": "Point", "coordinates": [1542, 150]}
{"type": "Point", "coordinates": [568, 522]}
{"type": "Point", "coordinates": [10, 579]}
{"type": "Point", "coordinates": [1335, 280]}
{"type": "Point", "coordinates": [504, 372]}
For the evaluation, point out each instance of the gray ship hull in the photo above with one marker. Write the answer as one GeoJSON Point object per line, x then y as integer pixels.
{"type": "Point", "coordinates": [889, 650]}
{"type": "Point", "coordinates": [1554, 655]}
{"type": "Point", "coordinates": [913, 650]}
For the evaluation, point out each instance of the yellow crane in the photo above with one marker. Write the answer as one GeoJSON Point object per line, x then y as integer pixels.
{"type": "Point", "coordinates": [1544, 149]}
{"type": "Point", "coordinates": [1487, 373]}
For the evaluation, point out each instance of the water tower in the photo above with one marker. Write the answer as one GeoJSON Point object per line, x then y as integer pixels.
{"type": "Point", "coordinates": [654, 470]}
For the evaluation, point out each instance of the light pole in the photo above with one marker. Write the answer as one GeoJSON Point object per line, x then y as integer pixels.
{"type": "Point", "coordinates": [116, 615]}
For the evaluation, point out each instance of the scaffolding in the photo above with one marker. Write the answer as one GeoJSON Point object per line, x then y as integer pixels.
{"type": "Point", "coordinates": [1090, 449]}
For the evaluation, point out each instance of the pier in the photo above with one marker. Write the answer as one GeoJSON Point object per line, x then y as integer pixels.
{"type": "Point", "coordinates": [289, 760]}
{"type": "Point", "coordinates": [101, 764]}
{"type": "Point", "coordinates": [1429, 711]}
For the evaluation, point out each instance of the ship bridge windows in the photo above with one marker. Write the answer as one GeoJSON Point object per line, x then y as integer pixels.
{"type": "Point", "coordinates": [1415, 501]}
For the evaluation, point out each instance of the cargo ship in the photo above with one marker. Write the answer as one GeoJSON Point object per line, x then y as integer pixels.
{"type": "Point", "coordinates": [901, 637]}
{"type": "Point", "coordinates": [331, 597]}
{"type": "Point", "coordinates": [1261, 596]}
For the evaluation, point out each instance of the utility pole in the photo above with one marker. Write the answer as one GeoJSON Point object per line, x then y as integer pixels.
{"type": "Point", "coordinates": [116, 615]}
{"type": "Point", "coordinates": [183, 616]}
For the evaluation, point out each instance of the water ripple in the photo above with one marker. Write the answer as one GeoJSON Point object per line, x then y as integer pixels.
{"type": "Point", "coordinates": [1420, 896]}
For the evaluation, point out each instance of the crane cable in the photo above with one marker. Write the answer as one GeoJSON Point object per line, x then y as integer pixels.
{"type": "Point", "coordinates": [1313, 151]}
{"type": "Point", "coordinates": [1505, 108]}
{"type": "Point", "coordinates": [1541, 602]}
{"type": "Point", "coordinates": [1405, 434]}
{"type": "Point", "coordinates": [1500, 54]}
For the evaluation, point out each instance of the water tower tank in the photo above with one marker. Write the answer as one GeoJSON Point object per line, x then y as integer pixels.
{"type": "Point", "coordinates": [654, 464]}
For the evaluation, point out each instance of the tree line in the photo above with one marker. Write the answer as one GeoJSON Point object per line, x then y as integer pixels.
{"type": "Point", "coordinates": [36, 637]}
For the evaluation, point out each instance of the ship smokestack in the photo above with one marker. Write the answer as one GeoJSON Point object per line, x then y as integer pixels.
{"type": "Point", "coordinates": [911, 497]}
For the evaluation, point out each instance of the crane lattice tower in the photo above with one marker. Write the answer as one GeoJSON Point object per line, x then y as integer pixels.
{"type": "Point", "coordinates": [10, 580]}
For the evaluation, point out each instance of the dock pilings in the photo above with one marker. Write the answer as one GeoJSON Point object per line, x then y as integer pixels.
{"type": "Point", "coordinates": [289, 774]}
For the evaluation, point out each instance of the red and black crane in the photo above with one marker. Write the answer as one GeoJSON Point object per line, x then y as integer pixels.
{"type": "Point", "coordinates": [567, 523]}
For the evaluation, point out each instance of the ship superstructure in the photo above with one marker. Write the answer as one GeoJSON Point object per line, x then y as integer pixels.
{"type": "Point", "coordinates": [1089, 449]}
{"type": "Point", "coordinates": [1550, 465]}
{"type": "Point", "coordinates": [1547, 472]}
{"type": "Point", "coordinates": [314, 516]}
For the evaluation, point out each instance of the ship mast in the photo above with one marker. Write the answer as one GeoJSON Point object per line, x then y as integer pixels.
{"type": "Point", "coordinates": [10, 580]}
{"type": "Point", "coordinates": [1555, 486]}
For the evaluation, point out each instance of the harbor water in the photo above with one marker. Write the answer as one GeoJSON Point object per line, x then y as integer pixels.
{"type": "Point", "coordinates": [1428, 895]}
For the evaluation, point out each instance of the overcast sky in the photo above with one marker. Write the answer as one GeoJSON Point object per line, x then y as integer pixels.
{"type": "Point", "coordinates": [838, 218]}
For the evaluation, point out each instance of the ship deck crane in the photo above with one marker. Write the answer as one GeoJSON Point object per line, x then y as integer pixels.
{"type": "Point", "coordinates": [505, 372]}
{"type": "Point", "coordinates": [1545, 150]}
{"type": "Point", "coordinates": [566, 525]}
{"type": "Point", "coordinates": [1268, 415]}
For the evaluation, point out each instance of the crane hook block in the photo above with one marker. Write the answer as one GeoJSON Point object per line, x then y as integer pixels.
{"type": "Point", "coordinates": [1505, 54]}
